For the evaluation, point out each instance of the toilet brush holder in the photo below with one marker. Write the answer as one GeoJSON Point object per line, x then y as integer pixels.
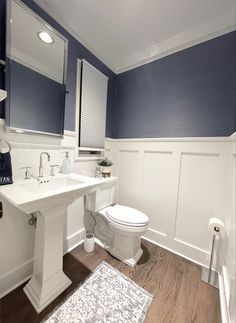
{"type": "Point", "coordinates": [89, 242]}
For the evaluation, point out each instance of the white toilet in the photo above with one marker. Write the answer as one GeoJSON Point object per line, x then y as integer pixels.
{"type": "Point", "coordinates": [118, 228]}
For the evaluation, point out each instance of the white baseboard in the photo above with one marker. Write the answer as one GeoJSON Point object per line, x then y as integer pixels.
{"type": "Point", "coordinates": [181, 248]}
{"type": "Point", "coordinates": [20, 274]}
{"type": "Point", "coordinates": [15, 277]}
{"type": "Point", "coordinates": [74, 240]}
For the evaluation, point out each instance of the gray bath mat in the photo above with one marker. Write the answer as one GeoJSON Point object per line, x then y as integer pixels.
{"type": "Point", "coordinates": [107, 296]}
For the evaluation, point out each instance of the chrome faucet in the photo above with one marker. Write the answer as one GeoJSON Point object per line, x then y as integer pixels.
{"type": "Point", "coordinates": [41, 162]}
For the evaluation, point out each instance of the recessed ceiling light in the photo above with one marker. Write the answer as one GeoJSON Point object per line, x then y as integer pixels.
{"type": "Point", "coordinates": [45, 37]}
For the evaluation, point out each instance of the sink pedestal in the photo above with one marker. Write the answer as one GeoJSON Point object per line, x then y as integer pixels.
{"type": "Point", "coordinates": [48, 280]}
{"type": "Point", "coordinates": [49, 201]}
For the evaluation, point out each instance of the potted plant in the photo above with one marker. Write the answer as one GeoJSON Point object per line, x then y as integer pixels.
{"type": "Point", "coordinates": [105, 164]}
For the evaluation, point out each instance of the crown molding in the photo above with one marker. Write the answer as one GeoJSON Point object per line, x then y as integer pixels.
{"type": "Point", "coordinates": [212, 29]}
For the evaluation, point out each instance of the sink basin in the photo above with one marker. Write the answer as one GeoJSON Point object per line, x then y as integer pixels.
{"type": "Point", "coordinates": [49, 185]}
{"type": "Point", "coordinates": [48, 199]}
{"type": "Point", "coordinates": [32, 195]}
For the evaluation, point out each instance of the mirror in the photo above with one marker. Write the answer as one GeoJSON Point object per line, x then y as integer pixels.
{"type": "Point", "coordinates": [35, 73]}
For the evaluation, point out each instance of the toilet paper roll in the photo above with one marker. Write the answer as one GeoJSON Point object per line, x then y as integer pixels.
{"type": "Point", "coordinates": [216, 226]}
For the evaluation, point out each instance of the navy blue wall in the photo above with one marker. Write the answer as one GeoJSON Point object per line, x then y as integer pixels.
{"type": "Point", "coordinates": [76, 50]}
{"type": "Point", "coordinates": [189, 93]}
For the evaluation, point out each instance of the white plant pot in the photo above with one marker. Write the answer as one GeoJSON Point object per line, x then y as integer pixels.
{"type": "Point", "coordinates": [106, 171]}
{"type": "Point", "coordinates": [89, 243]}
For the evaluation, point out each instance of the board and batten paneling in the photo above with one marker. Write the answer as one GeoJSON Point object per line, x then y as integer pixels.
{"type": "Point", "coordinates": [129, 169]}
{"type": "Point", "coordinates": [160, 180]}
{"type": "Point", "coordinates": [197, 198]}
{"type": "Point", "coordinates": [180, 184]}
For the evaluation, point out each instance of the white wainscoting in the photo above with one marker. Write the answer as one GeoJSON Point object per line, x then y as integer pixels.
{"type": "Point", "coordinates": [179, 183]}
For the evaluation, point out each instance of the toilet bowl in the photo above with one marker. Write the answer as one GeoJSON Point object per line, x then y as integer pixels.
{"type": "Point", "coordinates": [119, 228]}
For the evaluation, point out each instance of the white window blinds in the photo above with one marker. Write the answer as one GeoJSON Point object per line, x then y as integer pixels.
{"type": "Point", "coordinates": [93, 102]}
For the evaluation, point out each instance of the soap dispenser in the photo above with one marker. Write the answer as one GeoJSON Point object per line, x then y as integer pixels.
{"type": "Point", "coordinates": [66, 164]}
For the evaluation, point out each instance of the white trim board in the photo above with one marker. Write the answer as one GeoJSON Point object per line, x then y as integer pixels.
{"type": "Point", "coordinates": [176, 139]}
{"type": "Point", "coordinates": [178, 247]}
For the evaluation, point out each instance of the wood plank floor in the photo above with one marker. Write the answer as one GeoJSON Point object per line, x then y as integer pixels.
{"type": "Point", "coordinates": [179, 294]}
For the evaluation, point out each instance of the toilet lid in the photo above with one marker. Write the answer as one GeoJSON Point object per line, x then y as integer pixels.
{"type": "Point", "coordinates": [126, 215]}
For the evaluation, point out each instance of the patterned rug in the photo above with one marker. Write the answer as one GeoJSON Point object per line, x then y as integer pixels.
{"type": "Point", "coordinates": [107, 296]}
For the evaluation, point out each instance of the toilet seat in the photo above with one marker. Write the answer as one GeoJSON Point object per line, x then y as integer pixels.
{"type": "Point", "coordinates": [126, 216]}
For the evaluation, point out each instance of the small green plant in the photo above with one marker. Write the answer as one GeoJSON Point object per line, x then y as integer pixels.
{"type": "Point", "coordinates": [105, 162]}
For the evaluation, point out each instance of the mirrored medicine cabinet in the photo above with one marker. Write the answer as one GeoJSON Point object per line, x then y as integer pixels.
{"type": "Point", "coordinates": [36, 59]}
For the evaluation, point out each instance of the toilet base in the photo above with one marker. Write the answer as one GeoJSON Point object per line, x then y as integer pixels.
{"type": "Point", "coordinates": [128, 261]}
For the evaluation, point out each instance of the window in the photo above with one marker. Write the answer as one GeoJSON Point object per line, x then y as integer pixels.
{"type": "Point", "coordinates": [91, 103]}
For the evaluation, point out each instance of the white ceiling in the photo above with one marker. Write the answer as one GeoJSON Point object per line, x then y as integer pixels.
{"type": "Point", "coordinates": [128, 33]}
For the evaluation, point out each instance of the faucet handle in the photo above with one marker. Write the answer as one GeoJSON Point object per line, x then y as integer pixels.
{"type": "Point", "coordinates": [27, 173]}
{"type": "Point", "coordinates": [53, 169]}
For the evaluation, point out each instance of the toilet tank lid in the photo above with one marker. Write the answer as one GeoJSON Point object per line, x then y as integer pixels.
{"type": "Point", "coordinates": [124, 214]}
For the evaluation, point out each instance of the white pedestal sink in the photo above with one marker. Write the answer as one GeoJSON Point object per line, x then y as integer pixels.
{"type": "Point", "coordinates": [49, 200]}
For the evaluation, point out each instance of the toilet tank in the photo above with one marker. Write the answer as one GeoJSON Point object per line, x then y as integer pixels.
{"type": "Point", "coordinates": [104, 195]}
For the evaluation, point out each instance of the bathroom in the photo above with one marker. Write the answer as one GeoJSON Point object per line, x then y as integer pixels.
{"type": "Point", "coordinates": [164, 86]}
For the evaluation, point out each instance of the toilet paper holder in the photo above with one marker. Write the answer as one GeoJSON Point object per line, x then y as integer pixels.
{"type": "Point", "coordinates": [216, 227]}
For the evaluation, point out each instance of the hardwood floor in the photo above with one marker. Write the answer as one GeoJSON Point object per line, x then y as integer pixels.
{"type": "Point", "coordinates": [179, 294]}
